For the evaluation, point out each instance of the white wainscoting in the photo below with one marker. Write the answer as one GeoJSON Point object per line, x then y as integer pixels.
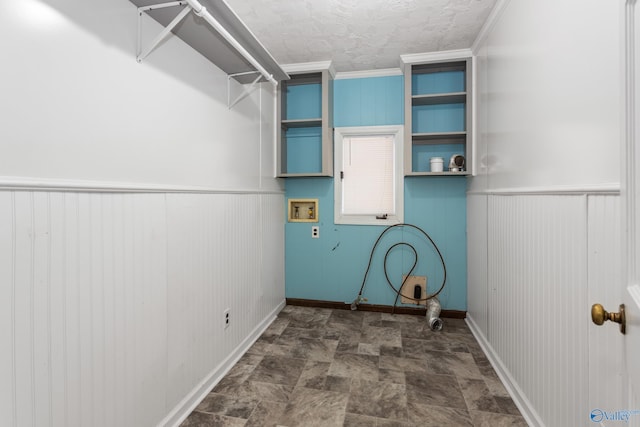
{"type": "Point", "coordinates": [536, 264]}
{"type": "Point", "coordinates": [111, 304]}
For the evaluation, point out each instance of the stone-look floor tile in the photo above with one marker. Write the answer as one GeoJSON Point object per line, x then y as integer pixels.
{"type": "Point", "coordinates": [402, 318]}
{"type": "Point", "coordinates": [200, 419]}
{"type": "Point", "coordinates": [375, 399]}
{"type": "Point", "coordinates": [237, 407]}
{"type": "Point", "coordinates": [278, 370]}
{"type": "Point", "coordinates": [359, 420]}
{"type": "Point", "coordinates": [381, 422]}
{"type": "Point", "coordinates": [307, 317]}
{"type": "Point", "coordinates": [495, 386]}
{"type": "Point", "coordinates": [424, 334]}
{"type": "Point", "coordinates": [236, 376]}
{"type": "Point", "coordinates": [387, 350]}
{"type": "Point", "coordinates": [506, 405]}
{"type": "Point", "coordinates": [263, 391]}
{"type": "Point", "coordinates": [403, 364]}
{"type": "Point", "coordinates": [488, 419]}
{"type": "Point", "coordinates": [391, 376]}
{"type": "Point", "coordinates": [291, 335]}
{"type": "Point", "coordinates": [314, 349]}
{"type": "Point", "coordinates": [469, 341]}
{"type": "Point", "coordinates": [372, 349]}
{"type": "Point", "coordinates": [259, 348]}
{"type": "Point", "coordinates": [306, 348]}
{"type": "Point", "coordinates": [268, 338]}
{"type": "Point", "coordinates": [438, 416]}
{"type": "Point", "coordinates": [311, 365]}
{"type": "Point", "coordinates": [371, 317]}
{"type": "Point", "coordinates": [266, 414]}
{"type": "Point", "coordinates": [314, 319]}
{"type": "Point", "coordinates": [280, 350]}
{"type": "Point", "coordinates": [459, 364]}
{"type": "Point", "coordinates": [389, 324]}
{"type": "Point", "coordinates": [250, 359]}
{"type": "Point", "coordinates": [314, 375]}
{"type": "Point", "coordinates": [455, 326]}
{"type": "Point", "coordinates": [415, 348]}
{"type": "Point", "coordinates": [477, 395]}
{"type": "Point", "coordinates": [354, 366]}
{"type": "Point", "coordinates": [276, 327]}
{"type": "Point", "coordinates": [387, 336]}
{"type": "Point", "coordinates": [310, 408]}
{"type": "Point", "coordinates": [349, 320]}
{"type": "Point", "coordinates": [473, 346]}
{"type": "Point", "coordinates": [339, 384]}
{"type": "Point", "coordinates": [484, 365]}
{"type": "Point", "coordinates": [432, 389]}
{"type": "Point", "coordinates": [348, 345]}
{"type": "Point", "coordinates": [331, 334]}
{"type": "Point", "coordinates": [458, 347]}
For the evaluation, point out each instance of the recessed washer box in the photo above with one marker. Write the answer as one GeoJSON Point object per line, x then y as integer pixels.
{"type": "Point", "coordinates": [303, 210]}
{"type": "Point", "coordinates": [407, 291]}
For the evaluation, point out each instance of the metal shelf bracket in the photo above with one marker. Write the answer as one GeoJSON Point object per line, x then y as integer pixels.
{"type": "Point", "coordinates": [184, 12]}
{"type": "Point", "coordinates": [247, 90]}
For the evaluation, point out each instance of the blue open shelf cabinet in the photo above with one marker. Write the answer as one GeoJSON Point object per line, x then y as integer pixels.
{"type": "Point", "coordinates": [437, 117]}
{"type": "Point", "coordinates": [304, 126]}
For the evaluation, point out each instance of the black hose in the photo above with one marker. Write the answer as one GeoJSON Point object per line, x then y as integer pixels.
{"type": "Point", "coordinates": [415, 262]}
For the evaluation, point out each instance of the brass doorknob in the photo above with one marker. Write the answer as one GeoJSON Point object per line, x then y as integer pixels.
{"type": "Point", "coordinates": [599, 315]}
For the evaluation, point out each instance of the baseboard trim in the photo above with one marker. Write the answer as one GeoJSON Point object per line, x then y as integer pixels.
{"type": "Point", "coordinates": [449, 314]}
{"type": "Point", "coordinates": [517, 395]}
{"type": "Point", "coordinates": [193, 399]}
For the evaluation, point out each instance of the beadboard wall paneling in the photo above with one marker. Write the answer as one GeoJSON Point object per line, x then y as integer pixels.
{"type": "Point", "coordinates": [548, 258]}
{"type": "Point", "coordinates": [112, 304]}
{"type": "Point", "coordinates": [537, 270]}
{"type": "Point", "coordinates": [477, 286]}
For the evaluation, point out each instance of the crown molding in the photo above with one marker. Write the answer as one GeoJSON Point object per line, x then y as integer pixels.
{"type": "Point", "coordinates": [382, 72]}
{"type": "Point", "coordinates": [445, 55]}
{"type": "Point", "coordinates": [309, 67]}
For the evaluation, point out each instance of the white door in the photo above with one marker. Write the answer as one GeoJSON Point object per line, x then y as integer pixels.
{"type": "Point", "coordinates": [614, 358]}
{"type": "Point", "coordinates": [631, 209]}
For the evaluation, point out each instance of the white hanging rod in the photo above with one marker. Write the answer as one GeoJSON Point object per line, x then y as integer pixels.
{"type": "Point", "coordinates": [201, 11]}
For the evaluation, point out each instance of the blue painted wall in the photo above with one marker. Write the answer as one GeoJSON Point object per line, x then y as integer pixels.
{"type": "Point", "coordinates": [332, 267]}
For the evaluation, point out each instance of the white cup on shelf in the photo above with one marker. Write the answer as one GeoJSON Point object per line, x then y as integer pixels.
{"type": "Point", "coordinates": [436, 164]}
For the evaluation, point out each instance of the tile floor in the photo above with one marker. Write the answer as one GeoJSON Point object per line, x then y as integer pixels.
{"type": "Point", "coordinates": [322, 367]}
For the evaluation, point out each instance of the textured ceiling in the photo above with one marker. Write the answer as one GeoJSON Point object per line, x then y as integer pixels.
{"type": "Point", "coordinates": [361, 34]}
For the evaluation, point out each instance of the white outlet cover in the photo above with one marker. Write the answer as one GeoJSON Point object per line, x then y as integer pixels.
{"type": "Point", "coordinates": [315, 232]}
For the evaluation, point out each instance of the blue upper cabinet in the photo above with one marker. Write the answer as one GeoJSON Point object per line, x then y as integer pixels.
{"type": "Point", "coordinates": [305, 133]}
{"type": "Point", "coordinates": [438, 117]}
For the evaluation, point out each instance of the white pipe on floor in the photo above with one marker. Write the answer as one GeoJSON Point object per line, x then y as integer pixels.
{"type": "Point", "coordinates": [433, 314]}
